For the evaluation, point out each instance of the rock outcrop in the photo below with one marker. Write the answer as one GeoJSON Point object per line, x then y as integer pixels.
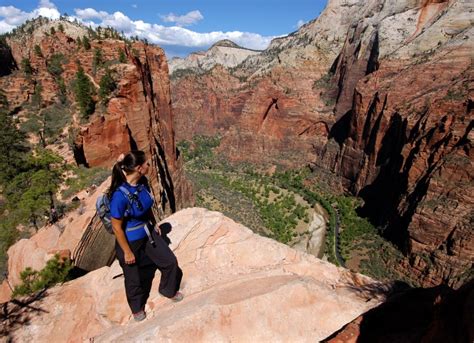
{"type": "Point", "coordinates": [238, 286]}
{"type": "Point", "coordinates": [378, 93]}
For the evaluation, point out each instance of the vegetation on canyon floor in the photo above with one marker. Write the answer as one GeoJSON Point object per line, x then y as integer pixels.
{"type": "Point", "coordinates": [268, 204]}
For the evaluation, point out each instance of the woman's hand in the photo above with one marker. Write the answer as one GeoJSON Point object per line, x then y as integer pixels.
{"type": "Point", "coordinates": [129, 257]}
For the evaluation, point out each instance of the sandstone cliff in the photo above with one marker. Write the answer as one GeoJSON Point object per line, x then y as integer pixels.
{"type": "Point", "coordinates": [402, 141]}
{"type": "Point", "coordinates": [238, 286]}
{"type": "Point", "coordinates": [137, 114]}
{"type": "Point", "coordinates": [378, 93]}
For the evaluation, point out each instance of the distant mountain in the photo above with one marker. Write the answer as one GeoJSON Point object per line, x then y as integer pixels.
{"type": "Point", "coordinates": [224, 52]}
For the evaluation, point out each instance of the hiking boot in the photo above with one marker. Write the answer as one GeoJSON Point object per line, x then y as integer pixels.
{"type": "Point", "coordinates": [139, 316]}
{"type": "Point", "coordinates": [178, 297]}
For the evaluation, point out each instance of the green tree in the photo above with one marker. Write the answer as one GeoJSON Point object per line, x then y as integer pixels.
{"type": "Point", "coordinates": [55, 64]}
{"type": "Point", "coordinates": [97, 60]}
{"type": "Point", "coordinates": [38, 51]}
{"type": "Point", "coordinates": [122, 57]}
{"type": "Point", "coordinates": [55, 271]}
{"type": "Point", "coordinates": [61, 27]}
{"type": "Point", "coordinates": [62, 92]}
{"type": "Point", "coordinates": [26, 66]}
{"type": "Point", "coordinates": [84, 89]}
{"type": "Point", "coordinates": [86, 43]}
{"type": "Point", "coordinates": [31, 190]}
{"type": "Point", "coordinates": [107, 85]}
{"type": "Point", "coordinates": [12, 147]}
{"type": "Point", "coordinates": [53, 30]}
{"type": "Point", "coordinates": [36, 98]}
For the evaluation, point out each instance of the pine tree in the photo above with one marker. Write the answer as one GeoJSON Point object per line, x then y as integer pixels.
{"type": "Point", "coordinates": [38, 51]}
{"type": "Point", "coordinates": [86, 43]}
{"type": "Point", "coordinates": [107, 85]}
{"type": "Point", "coordinates": [84, 89]}
{"type": "Point", "coordinates": [12, 147]}
{"type": "Point", "coordinates": [122, 57]}
{"type": "Point", "coordinates": [26, 66]}
{"type": "Point", "coordinates": [97, 60]}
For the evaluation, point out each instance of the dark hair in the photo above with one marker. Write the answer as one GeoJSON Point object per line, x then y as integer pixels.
{"type": "Point", "coordinates": [131, 160]}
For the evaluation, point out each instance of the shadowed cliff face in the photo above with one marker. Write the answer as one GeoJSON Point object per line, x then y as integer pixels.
{"type": "Point", "coordinates": [404, 143]}
{"type": "Point", "coordinates": [382, 99]}
{"type": "Point", "coordinates": [437, 314]}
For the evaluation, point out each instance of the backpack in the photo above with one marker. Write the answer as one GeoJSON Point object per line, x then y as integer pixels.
{"type": "Point", "coordinates": [103, 210]}
{"type": "Point", "coordinates": [102, 206]}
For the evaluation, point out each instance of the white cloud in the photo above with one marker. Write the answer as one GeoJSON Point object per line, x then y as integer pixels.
{"type": "Point", "coordinates": [300, 23]}
{"type": "Point", "coordinates": [11, 17]}
{"type": "Point", "coordinates": [134, 5]}
{"type": "Point", "coordinates": [90, 13]}
{"type": "Point", "coordinates": [183, 20]}
{"type": "Point", "coordinates": [47, 4]}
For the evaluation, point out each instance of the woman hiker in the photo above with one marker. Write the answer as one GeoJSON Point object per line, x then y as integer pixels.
{"type": "Point", "coordinates": [139, 246]}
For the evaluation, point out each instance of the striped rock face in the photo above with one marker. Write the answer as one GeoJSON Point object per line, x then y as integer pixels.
{"type": "Point", "coordinates": [238, 286]}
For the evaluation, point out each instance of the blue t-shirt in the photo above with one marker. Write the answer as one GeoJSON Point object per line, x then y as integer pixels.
{"type": "Point", "coordinates": [137, 217]}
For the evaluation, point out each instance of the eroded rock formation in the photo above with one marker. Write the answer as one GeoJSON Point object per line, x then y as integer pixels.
{"type": "Point", "coordinates": [238, 286]}
{"type": "Point", "coordinates": [404, 136]}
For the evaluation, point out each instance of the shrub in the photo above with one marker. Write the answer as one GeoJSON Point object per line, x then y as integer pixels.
{"type": "Point", "coordinates": [56, 271]}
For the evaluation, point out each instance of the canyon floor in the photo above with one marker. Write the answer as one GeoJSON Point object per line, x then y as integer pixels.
{"type": "Point", "coordinates": [291, 207]}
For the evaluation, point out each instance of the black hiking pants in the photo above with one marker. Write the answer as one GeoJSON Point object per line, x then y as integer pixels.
{"type": "Point", "coordinates": [139, 275]}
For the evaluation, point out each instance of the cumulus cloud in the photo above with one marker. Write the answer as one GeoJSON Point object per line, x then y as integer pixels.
{"type": "Point", "coordinates": [177, 35]}
{"type": "Point", "coordinates": [90, 13]}
{"type": "Point", "coordinates": [10, 16]}
{"type": "Point", "coordinates": [183, 20]}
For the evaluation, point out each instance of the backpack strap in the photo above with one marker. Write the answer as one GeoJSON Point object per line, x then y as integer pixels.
{"type": "Point", "coordinates": [131, 198]}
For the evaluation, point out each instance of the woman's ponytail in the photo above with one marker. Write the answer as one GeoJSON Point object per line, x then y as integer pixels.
{"type": "Point", "coordinates": [125, 164]}
{"type": "Point", "coordinates": [118, 178]}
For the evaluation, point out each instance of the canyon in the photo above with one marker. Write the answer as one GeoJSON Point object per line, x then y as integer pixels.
{"type": "Point", "coordinates": [375, 96]}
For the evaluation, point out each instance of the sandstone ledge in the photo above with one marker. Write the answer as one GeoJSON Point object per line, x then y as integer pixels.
{"type": "Point", "coordinates": [238, 286]}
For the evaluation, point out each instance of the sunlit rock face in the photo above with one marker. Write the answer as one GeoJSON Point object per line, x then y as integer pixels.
{"type": "Point", "coordinates": [237, 286]}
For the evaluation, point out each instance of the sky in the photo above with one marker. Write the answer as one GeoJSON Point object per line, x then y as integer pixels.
{"type": "Point", "coordinates": [178, 26]}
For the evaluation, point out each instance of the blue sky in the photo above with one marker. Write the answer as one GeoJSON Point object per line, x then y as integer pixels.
{"type": "Point", "coordinates": [179, 26]}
